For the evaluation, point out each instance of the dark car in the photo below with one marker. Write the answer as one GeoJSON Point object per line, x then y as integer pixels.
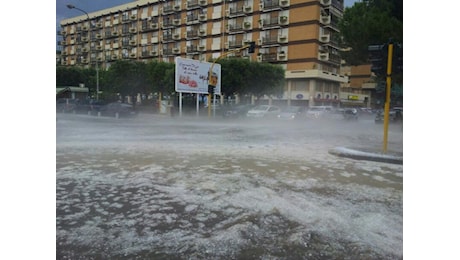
{"type": "Point", "coordinates": [292, 112]}
{"type": "Point", "coordinates": [236, 111]}
{"type": "Point", "coordinates": [66, 105]}
{"type": "Point", "coordinates": [89, 106]}
{"type": "Point", "coordinates": [394, 115]}
{"type": "Point", "coordinates": [350, 114]}
{"type": "Point", "coordinates": [118, 109]}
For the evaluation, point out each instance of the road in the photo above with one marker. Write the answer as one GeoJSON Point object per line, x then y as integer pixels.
{"type": "Point", "coordinates": [154, 187]}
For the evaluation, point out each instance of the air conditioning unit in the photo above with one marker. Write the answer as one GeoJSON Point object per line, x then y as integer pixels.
{"type": "Point", "coordinates": [177, 7]}
{"type": "Point", "coordinates": [247, 8]}
{"type": "Point", "coordinates": [98, 47]}
{"type": "Point", "coordinates": [283, 19]}
{"type": "Point", "coordinates": [259, 58]}
{"type": "Point", "coordinates": [85, 49]}
{"type": "Point", "coordinates": [201, 47]}
{"type": "Point", "coordinates": [259, 41]}
{"type": "Point", "coordinates": [99, 36]}
{"type": "Point", "coordinates": [176, 50]}
{"type": "Point", "coordinates": [154, 26]}
{"type": "Point", "coordinates": [84, 39]}
{"type": "Point", "coordinates": [176, 36]}
{"type": "Point", "coordinates": [132, 42]}
{"type": "Point", "coordinates": [323, 56]}
{"type": "Point", "coordinates": [133, 17]}
{"type": "Point", "coordinates": [282, 38]}
{"type": "Point", "coordinates": [284, 3]}
{"type": "Point", "coordinates": [325, 2]}
{"type": "Point", "coordinates": [202, 17]}
{"type": "Point", "coordinates": [84, 28]}
{"type": "Point", "coordinates": [115, 33]}
{"type": "Point", "coordinates": [132, 55]}
{"type": "Point", "coordinates": [203, 2]}
{"type": "Point", "coordinates": [176, 21]}
{"type": "Point", "coordinates": [64, 53]}
{"type": "Point", "coordinates": [247, 25]}
{"type": "Point", "coordinates": [324, 38]}
{"type": "Point", "coordinates": [99, 25]}
{"type": "Point", "coordinates": [154, 53]}
{"type": "Point", "coordinates": [202, 32]}
{"type": "Point", "coordinates": [281, 55]}
{"type": "Point", "coordinates": [99, 58]}
{"type": "Point", "coordinates": [132, 30]}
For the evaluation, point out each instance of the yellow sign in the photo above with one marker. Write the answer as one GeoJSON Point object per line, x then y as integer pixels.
{"type": "Point", "coordinates": [353, 97]}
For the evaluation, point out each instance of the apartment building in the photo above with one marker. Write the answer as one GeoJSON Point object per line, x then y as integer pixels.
{"type": "Point", "coordinates": [300, 35]}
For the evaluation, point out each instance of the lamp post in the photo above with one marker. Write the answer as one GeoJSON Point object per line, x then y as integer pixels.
{"type": "Point", "coordinates": [89, 32]}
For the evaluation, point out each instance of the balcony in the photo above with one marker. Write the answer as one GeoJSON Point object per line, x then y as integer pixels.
{"type": "Point", "coordinates": [234, 44]}
{"type": "Point", "coordinates": [236, 11]}
{"type": "Point", "coordinates": [268, 57]}
{"type": "Point", "coordinates": [269, 41]}
{"type": "Point", "coordinates": [191, 49]}
{"type": "Point", "coordinates": [192, 34]}
{"type": "Point", "coordinates": [193, 4]}
{"type": "Point", "coordinates": [273, 5]}
{"type": "Point", "coordinates": [235, 28]}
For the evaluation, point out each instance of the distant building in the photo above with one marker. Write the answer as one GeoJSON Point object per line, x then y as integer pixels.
{"type": "Point", "coordinates": [301, 36]}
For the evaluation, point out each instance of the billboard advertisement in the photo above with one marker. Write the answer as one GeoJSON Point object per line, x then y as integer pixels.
{"type": "Point", "coordinates": [192, 76]}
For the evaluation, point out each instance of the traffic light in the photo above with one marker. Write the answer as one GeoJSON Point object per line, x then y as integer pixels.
{"type": "Point", "coordinates": [252, 47]}
{"type": "Point", "coordinates": [378, 56]}
{"type": "Point", "coordinates": [211, 89]}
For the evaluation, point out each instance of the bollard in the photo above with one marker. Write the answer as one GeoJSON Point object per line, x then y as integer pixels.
{"type": "Point", "coordinates": [116, 115]}
{"type": "Point", "coordinates": [98, 113]}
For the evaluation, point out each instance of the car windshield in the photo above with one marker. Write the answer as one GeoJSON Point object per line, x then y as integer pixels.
{"type": "Point", "coordinates": [291, 109]}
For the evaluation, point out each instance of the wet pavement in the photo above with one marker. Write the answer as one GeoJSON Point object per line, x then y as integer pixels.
{"type": "Point", "coordinates": [191, 188]}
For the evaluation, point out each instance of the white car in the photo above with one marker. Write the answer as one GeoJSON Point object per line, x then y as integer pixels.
{"type": "Point", "coordinates": [264, 111]}
{"type": "Point", "coordinates": [316, 112]}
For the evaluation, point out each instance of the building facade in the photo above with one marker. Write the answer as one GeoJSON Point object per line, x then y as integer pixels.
{"type": "Point", "coordinates": [300, 35]}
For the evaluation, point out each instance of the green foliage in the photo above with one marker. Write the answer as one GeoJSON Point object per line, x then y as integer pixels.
{"type": "Point", "coordinates": [370, 22]}
{"type": "Point", "coordinates": [239, 76]}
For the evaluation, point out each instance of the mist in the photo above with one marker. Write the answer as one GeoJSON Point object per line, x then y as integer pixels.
{"type": "Point", "coordinates": [198, 188]}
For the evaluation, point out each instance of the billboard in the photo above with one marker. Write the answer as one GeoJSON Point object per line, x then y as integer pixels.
{"type": "Point", "coordinates": [192, 76]}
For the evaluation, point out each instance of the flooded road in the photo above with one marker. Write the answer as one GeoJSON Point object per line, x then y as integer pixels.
{"type": "Point", "coordinates": [193, 188]}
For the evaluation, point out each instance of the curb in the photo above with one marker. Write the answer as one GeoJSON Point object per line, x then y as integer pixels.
{"type": "Point", "coordinates": [360, 155]}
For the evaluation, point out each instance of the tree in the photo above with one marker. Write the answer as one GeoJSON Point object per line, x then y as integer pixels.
{"type": "Point", "coordinates": [128, 78]}
{"type": "Point", "coordinates": [367, 23]}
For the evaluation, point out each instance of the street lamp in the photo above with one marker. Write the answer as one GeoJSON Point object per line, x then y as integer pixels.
{"type": "Point", "coordinates": [89, 31]}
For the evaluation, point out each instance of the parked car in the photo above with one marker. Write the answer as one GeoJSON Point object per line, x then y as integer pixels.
{"type": "Point", "coordinates": [316, 112]}
{"type": "Point", "coordinates": [236, 111]}
{"type": "Point", "coordinates": [118, 108]}
{"type": "Point", "coordinates": [264, 111]}
{"type": "Point", "coordinates": [394, 115]}
{"type": "Point", "coordinates": [89, 105]}
{"type": "Point", "coordinates": [350, 114]}
{"type": "Point", "coordinates": [66, 105]}
{"type": "Point", "coordinates": [292, 112]}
